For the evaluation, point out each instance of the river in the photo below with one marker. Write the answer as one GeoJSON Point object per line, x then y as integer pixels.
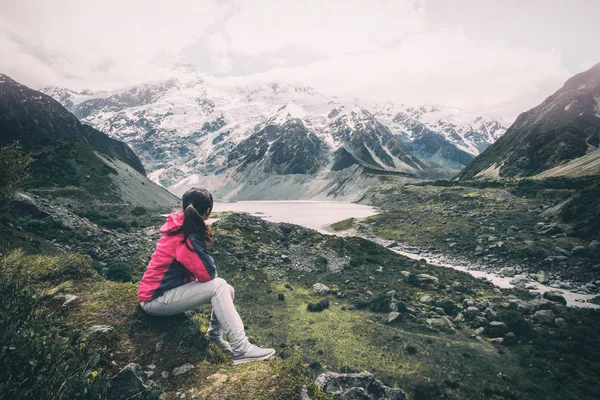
{"type": "Point", "coordinates": [318, 215]}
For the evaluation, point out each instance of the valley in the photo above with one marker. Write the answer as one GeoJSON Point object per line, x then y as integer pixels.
{"type": "Point", "coordinates": [351, 291]}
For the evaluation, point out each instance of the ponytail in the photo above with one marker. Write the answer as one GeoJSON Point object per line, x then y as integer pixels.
{"type": "Point", "coordinates": [195, 203]}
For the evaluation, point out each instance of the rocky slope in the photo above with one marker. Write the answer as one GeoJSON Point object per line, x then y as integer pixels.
{"type": "Point", "coordinates": [31, 117]}
{"type": "Point", "coordinates": [188, 126]}
{"type": "Point", "coordinates": [564, 127]}
{"type": "Point", "coordinates": [326, 303]}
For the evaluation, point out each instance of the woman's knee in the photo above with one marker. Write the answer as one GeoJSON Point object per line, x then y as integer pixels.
{"type": "Point", "coordinates": [219, 282]}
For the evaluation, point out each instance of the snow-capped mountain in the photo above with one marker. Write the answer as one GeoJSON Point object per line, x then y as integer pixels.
{"type": "Point", "coordinates": [191, 127]}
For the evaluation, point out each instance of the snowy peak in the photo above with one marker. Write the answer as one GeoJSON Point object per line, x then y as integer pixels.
{"type": "Point", "coordinates": [190, 124]}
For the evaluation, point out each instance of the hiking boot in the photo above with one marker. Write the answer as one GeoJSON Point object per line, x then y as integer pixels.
{"type": "Point", "coordinates": [219, 341]}
{"type": "Point", "coordinates": [253, 353]}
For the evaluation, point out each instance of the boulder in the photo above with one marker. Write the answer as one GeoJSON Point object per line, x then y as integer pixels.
{"type": "Point", "coordinates": [508, 272]}
{"type": "Point", "coordinates": [128, 383]}
{"type": "Point", "coordinates": [183, 369]}
{"type": "Point", "coordinates": [542, 277]}
{"type": "Point", "coordinates": [543, 317]}
{"type": "Point", "coordinates": [424, 279]}
{"type": "Point", "coordinates": [560, 323]}
{"type": "Point", "coordinates": [23, 204]}
{"type": "Point", "coordinates": [441, 322]}
{"type": "Point", "coordinates": [556, 296]}
{"type": "Point", "coordinates": [496, 329]}
{"type": "Point", "coordinates": [460, 288]}
{"type": "Point", "coordinates": [393, 316]}
{"type": "Point", "coordinates": [319, 288]}
{"type": "Point", "coordinates": [595, 300]}
{"type": "Point", "coordinates": [98, 329]}
{"type": "Point", "coordinates": [490, 314]}
{"type": "Point", "coordinates": [499, 247]}
{"type": "Point", "coordinates": [579, 249]}
{"type": "Point", "coordinates": [519, 280]}
{"type": "Point", "coordinates": [562, 251]}
{"type": "Point", "coordinates": [427, 299]}
{"type": "Point", "coordinates": [361, 386]}
{"type": "Point", "coordinates": [471, 312]}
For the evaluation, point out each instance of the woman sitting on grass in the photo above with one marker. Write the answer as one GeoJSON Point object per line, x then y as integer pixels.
{"type": "Point", "coordinates": [182, 276]}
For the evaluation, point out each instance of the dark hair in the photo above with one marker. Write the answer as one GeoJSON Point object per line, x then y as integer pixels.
{"type": "Point", "coordinates": [195, 203]}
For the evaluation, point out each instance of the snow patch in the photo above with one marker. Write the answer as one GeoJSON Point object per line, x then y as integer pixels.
{"type": "Point", "coordinates": [568, 106]}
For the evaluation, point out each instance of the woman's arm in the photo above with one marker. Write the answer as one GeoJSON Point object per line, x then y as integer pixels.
{"type": "Point", "coordinates": [197, 260]}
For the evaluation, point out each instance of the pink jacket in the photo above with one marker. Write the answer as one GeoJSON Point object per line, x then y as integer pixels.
{"type": "Point", "coordinates": [173, 263]}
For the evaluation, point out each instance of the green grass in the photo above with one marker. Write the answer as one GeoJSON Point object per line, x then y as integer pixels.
{"type": "Point", "coordinates": [424, 361]}
{"type": "Point", "coordinates": [344, 225]}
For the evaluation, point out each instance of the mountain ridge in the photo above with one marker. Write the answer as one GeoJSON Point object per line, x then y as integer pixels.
{"type": "Point", "coordinates": [194, 123]}
{"type": "Point", "coordinates": [564, 127]}
{"type": "Point", "coordinates": [30, 117]}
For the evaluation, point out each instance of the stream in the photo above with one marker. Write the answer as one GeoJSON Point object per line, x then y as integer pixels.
{"type": "Point", "coordinates": [318, 215]}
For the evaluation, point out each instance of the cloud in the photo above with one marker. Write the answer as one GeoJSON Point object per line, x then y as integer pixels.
{"type": "Point", "coordinates": [375, 49]}
{"type": "Point", "coordinates": [98, 43]}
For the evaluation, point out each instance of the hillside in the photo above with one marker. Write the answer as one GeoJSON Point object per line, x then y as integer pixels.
{"type": "Point", "coordinates": [564, 127]}
{"type": "Point", "coordinates": [429, 330]}
{"type": "Point", "coordinates": [31, 117]}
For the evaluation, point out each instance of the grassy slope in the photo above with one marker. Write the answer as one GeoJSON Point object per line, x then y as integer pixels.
{"type": "Point", "coordinates": [427, 362]}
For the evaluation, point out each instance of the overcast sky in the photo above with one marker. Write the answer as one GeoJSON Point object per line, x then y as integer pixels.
{"type": "Point", "coordinates": [498, 57]}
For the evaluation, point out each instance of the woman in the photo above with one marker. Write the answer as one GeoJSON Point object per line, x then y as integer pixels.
{"type": "Point", "coordinates": [182, 276]}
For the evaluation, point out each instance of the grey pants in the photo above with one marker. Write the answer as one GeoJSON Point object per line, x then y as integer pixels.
{"type": "Point", "coordinates": [191, 295]}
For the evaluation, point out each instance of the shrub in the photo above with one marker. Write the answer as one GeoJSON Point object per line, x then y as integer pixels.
{"type": "Point", "coordinates": [39, 359]}
{"type": "Point", "coordinates": [138, 211]}
{"type": "Point", "coordinates": [516, 322]}
{"type": "Point", "coordinates": [119, 272]}
{"type": "Point", "coordinates": [14, 165]}
{"type": "Point", "coordinates": [318, 306]}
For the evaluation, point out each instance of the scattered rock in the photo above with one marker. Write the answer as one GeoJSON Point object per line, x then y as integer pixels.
{"type": "Point", "coordinates": [594, 244]}
{"type": "Point", "coordinates": [496, 329]}
{"type": "Point", "coordinates": [460, 287]}
{"type": "Point", "coordinates": [471, 312]}
{"type": "Point", "coordinates": [510, 338]}
{"type": "Point", "coordinates": [424, 279]}
{"type": "Point", "coordinates": [405, 274]}
{"type": "Point", "coordinates": [68, 298]}
{"type": "Point", "coordinates": [579, 249]}
{"type": "Point", "coordinates": [95, 329]}
{"type": "Point", "coordinates": [467, 303]}
{"type": "Point", "coordinates": [508, 272]}
{"type": "Point", "coordinates": [543, 317]}
{"type": "Point", "coordinates": [595, 300]}
{"type": "Point", "coordinates": [441, 322]}
{"type": "Point", "coordinates": [128, 383]}
{"type": "Point", "coordinates": [361, 386]}
{"type": "Point", "coordinates": [427, 299]}
{"type": "Point", "coordinates": [183, 369]}
{"type": "Point", "coordinates": [519, 280]}
{"type": "Point", "coordinates": [541, 277]}
{"type": "Point", "coordinates": [499, 247]}
{"type": "Point", "coordinates": [23, 204]}
{"type": "Point", "coordinates": [560, 323]}
{"type": "Point", "coordinates": [562, 251]}
{"type": "Point", "coordinates": [490, 314]}
{"type": "Point", "coordinates": [393, 316]}
{"type": "Point", "coordinates": [319, 288]}
{"type": "Point", "coordinates": [554, 295]}
{"type": "Point", "coordinates": [498, 340]}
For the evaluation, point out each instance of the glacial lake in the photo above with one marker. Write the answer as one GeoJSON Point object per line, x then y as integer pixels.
{"type": "Point", "coordinates": [318, 215]}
